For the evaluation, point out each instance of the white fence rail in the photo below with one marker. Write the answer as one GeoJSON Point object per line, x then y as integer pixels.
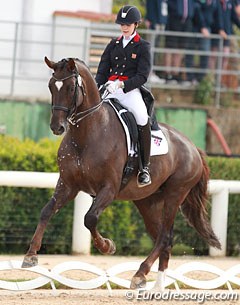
{"type": "Point", "coordinates": [110, 276]}
{"type": "Point", "coordinates": [219, 189]}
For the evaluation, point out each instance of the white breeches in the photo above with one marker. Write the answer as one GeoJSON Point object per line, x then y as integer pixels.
{"type": "Point", "coordinates": [133, 101]}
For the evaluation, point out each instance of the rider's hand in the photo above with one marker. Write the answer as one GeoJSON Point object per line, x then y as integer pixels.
{"type": "Point", "coordinates": [112, 86]}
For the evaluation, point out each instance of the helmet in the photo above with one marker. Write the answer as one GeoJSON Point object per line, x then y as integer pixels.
{"type": "Point", "coordinates": [128, 14]}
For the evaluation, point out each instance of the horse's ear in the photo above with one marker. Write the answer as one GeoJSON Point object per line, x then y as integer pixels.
{"type": "Point", "coordinates": [71, 64]}
{"type": "Point", "coordinates": [50, 63]}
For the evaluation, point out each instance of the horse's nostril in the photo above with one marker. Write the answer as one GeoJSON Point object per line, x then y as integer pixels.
{"type": "Point", "coordinates": [58, 129]}
{"type": "Point", "coordinates": [61, 129]}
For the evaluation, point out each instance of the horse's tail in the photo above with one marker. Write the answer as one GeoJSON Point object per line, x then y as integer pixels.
{"type": "Point", "coordinates": [194, 207]}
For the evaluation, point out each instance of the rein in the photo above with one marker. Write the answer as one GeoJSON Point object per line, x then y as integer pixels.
{"type": "Point", "coordinates": [79, 116]}
{"type": "Point", "coordinates": [75, 118]}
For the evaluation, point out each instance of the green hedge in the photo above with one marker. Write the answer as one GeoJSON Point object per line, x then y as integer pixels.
{"type": "Point", "coordinates": [20, 208]}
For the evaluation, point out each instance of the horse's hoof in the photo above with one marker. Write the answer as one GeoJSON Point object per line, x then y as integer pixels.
{"type": "Point", "coordinates": [111, 246]}
{"type": "Point", "coordinates": [138, 282]}
{"type": "Point", "coordinates": [106, 247]}
{"type": "Point", "coordinates": [30, 261]}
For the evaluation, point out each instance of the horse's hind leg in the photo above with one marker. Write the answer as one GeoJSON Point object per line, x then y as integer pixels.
{"type": "Point", "coordinates": [61, 196]}
{"type": "Point", "coordinates": [158, 212]}
{"type": "Point", "coordinates": [151, 209]}
{"type": "Point", "coordinates": [163, 263]}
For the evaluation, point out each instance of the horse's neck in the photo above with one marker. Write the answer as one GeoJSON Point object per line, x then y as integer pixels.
{"type": "Point", "coordinates": [91, 93]}
{"type": "Point", "coordinates": [91, 98]}
{"type": "Point", "coordinates": [93, 116]}
{"type": "Point", "coordinates": [91, 128]}
{"type": "Point", "coordinates": [93, 119]}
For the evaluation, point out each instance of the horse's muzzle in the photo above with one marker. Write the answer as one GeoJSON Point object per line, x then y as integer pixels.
{"type": "Point", "coordinates": [59, 128]}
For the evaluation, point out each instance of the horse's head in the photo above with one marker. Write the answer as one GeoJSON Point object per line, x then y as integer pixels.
{"type": "Point", "coordinates": [66, 89]}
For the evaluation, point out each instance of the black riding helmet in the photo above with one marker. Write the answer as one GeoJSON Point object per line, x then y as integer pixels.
{"type": "Point", "coordinates": [128, 14]}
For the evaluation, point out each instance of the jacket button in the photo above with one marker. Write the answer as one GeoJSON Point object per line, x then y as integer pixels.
{"type": "Point", "coordinates": [116, 57]}
{"type": "Point", "coordinates": [123, 66]}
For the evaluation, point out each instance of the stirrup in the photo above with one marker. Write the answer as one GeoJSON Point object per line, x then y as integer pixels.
{"type": "Point", "coordinates": [144, 178]}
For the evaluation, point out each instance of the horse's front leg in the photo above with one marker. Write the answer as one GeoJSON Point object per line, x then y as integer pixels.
{"type": "Point", "coordinates": [101, 201]}
{"type": "Point", "coordinates": [61, 196]}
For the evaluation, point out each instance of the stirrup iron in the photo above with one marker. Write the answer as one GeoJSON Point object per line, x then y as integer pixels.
{"type": "Point", "coordinates": [144, 178]}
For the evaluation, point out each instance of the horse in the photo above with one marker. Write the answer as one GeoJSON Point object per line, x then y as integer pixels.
{"type": "Point", "coordinates": [92, 157]}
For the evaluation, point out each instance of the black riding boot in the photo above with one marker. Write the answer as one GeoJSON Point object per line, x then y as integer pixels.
{"type": "Point", "coordinates": [145, 146]}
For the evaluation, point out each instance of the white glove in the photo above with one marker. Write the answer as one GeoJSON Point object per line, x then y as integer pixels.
{"type": "Point", "coordinates": [112, 86]}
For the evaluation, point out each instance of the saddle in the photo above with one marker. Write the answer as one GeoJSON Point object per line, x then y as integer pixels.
{"type": "Point", "coordinates": [149, 102]}
{"type": "Point", "coordinates": [129, 120]}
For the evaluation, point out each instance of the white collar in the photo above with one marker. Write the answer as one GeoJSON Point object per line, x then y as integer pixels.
{"type": "Point", "coordinates": [130, 37]}
{"type": "Point", "coordinates": [126, 40]}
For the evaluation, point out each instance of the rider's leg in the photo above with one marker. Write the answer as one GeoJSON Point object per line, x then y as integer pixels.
{"type": "Point", "coordinates": [134, 103]}
{"type": "Point", "coordinates": [145, 146]}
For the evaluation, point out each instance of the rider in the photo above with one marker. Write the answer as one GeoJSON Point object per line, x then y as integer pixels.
{"type": "Point", "coordinates": [124, 67]}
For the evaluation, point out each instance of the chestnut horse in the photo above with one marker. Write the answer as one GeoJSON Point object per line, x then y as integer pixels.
{"type": "Point", "coordinates": [92, 157]}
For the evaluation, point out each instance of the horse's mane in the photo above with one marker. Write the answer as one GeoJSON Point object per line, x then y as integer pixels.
{"type": "Point", "coordinates": [82, 62]}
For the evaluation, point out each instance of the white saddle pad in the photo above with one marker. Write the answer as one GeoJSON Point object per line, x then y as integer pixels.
{"type": "Point", "coordinates": [159, 144]}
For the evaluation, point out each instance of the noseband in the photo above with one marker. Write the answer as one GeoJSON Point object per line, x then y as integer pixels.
{"type": "Point", "coordinates": [73, 118]}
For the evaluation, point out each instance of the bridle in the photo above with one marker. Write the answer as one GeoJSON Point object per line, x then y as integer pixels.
{"type": "Point", "coordinates": [72, 117]}
{"type": "Point", "coordinates": [74, 99]}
